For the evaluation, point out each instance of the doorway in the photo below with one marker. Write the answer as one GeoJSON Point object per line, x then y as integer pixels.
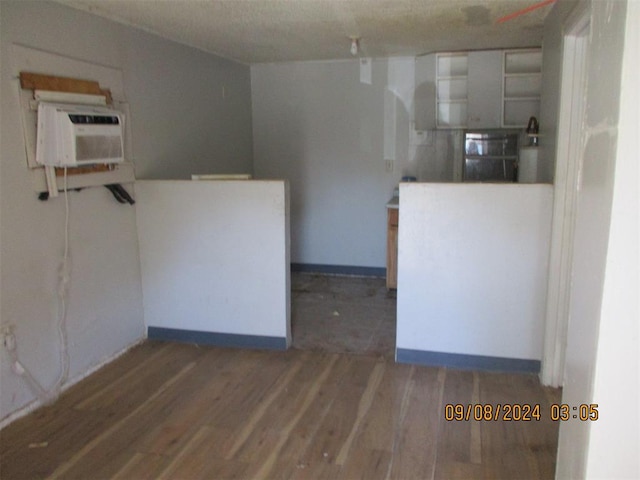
{"type": "Point", "coordinates": [567, 175]}
{"type": "Point", "coordinates": [343, 314]}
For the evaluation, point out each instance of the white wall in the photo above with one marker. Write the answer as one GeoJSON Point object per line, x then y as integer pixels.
{"type": "Point", "coordinates": [316, 125]}
{"type": "Point", "coordinates": [602, 362]}
{"type": "Point", "coordinates": [105, 304]}
{"type": "Point", "coordinates": [214, 256]}
{"type": "Point", "coordinates": [472, 268]}
{"type": "Point", "coordinates": [616, 388]}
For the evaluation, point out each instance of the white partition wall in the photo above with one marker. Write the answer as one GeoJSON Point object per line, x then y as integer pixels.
{"type": "Point", "coordinates": [215, 261]}
{"type": "Point", "coordinates": [472, 269]}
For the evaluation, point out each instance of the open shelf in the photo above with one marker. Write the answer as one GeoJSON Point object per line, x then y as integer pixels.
{"type": "Point", "coordinates": [451, 91]}
{"type": "Point", "coordinates": [522, 79]}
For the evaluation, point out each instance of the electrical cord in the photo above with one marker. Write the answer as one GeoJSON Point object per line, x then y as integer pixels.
{"type": "Point", "coordinates": [65, 278]}
{"type": "Point", "coordinates": [18, 368]}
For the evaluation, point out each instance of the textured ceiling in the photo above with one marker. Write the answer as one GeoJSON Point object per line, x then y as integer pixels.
{"type": "Point", "coordinates": [255, 31]}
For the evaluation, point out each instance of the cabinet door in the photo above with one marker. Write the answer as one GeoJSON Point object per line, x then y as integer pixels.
{"type": "Point", "coordinates": [425, 93]}
{"type": "Point", "coordinates": [484, 85]}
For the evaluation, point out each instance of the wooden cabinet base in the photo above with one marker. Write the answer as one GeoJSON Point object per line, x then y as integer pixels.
{"type": "Point", "coordinates": [392, 248]}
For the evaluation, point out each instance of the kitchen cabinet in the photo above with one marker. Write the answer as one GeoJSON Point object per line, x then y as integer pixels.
{"type": "Point", "coordinates": [477, 90]}
{"type": "Point", "coordinates": [485, 89]}
{"type": "Point", "coordinates": [392, 247]}
{"type": "Point", "coordinates": [451, 90]}
{"type": "Point", "coordinates": [522, 79]}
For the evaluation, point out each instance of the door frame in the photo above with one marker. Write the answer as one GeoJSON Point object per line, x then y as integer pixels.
{"type": "Point", "coordinates": [569, 155]}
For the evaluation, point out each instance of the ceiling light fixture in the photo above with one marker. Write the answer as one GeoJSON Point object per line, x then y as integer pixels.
{"type": "Point", "coordinates": [354, 45]}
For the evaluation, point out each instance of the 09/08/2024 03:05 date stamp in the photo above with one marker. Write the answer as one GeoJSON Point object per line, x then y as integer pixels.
{"type": "Point", "coordinates": [519, 412]}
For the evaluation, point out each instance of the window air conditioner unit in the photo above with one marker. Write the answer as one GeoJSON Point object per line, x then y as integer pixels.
{"type": "Point", "coordinates": [78, 135]}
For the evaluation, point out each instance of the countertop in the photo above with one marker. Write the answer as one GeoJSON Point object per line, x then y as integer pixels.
{"type": "Point", "coordinates": [394, 202]}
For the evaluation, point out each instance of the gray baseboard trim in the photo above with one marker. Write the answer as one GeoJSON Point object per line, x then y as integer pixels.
{"type": "Point", "coordinates": [467, 362]}
{"type": "Point", "coordinates": [217, 339]}
{"type": "Point", "coordinates": [339, 270]}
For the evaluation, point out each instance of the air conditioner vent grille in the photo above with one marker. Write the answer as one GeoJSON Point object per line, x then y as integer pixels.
{"type": "Point", "coordinates": [98, 147]}
{"type": "Point", "coordinates": [94, 119]}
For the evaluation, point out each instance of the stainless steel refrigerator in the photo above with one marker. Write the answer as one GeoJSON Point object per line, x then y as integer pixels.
{"type": "Point", "coordinates": [490, 156]}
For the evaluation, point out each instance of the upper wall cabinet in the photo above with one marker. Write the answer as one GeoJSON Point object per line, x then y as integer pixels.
{"type": "Point", "coordinates": [451, 90]}
{"type": "Point", "coordinates": [480, 89]}
{"type": "Point", "coordinates": [522, 78]}
{"type": "Point", "coordinates": [485, 92]}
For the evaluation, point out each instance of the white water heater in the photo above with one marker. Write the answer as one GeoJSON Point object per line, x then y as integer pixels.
{"type": "Point", "coordinates": [77, 135]}
{"type": "Point", "coordinates": [528, 165]}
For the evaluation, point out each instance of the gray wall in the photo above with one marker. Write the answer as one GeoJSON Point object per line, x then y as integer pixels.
{"type": "Point", "coordinates": [316, 125]}
{"type": "Point", "coordinates": [181, 125]}
{"type": "Point", "coordinates": [191, 111]}
{"type": "Point", "coordinates": [598, 335]}
{"type": "Point", "coordinates": [618, 336]}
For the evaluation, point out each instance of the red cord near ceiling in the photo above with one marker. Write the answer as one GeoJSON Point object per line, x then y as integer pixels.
{"type": "Point", "coordinates": [530, 8]}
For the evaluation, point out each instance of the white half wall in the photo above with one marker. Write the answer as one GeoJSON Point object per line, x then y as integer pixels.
{"type": "Point", "coordinates": [214, 256]}
{"type": "Point", "coordinates": [472, 268]}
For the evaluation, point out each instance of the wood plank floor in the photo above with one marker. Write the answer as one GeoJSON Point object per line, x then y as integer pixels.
{"type": "Point", "coordinates": [175, 411]}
